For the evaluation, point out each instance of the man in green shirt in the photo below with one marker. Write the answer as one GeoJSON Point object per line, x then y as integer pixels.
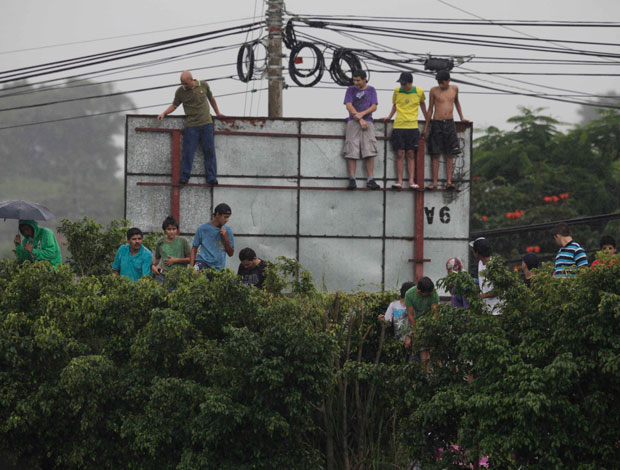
{"type": "Point", "coordinates": [195, 95]}
{"type": "Point", "coordinates": [420, 300]}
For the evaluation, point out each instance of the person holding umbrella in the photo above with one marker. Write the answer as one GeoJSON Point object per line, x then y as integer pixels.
{"type": "Point", "coordinates": [37, 244]}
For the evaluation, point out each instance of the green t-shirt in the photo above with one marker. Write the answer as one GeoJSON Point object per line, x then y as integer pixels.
{"type": "Point", "coordinates": [195, 104]}
{"type": "Point", "coordinates": [421, 304]}
{"type": "Point", "coordinates": [178, 248]}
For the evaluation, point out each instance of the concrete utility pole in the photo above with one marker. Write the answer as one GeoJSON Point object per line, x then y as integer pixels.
{"type": "Point", "coordinates": [275, 9]}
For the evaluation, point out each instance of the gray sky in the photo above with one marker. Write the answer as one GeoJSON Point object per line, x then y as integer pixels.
{"type": "Point", "coordinates": [37, 24]}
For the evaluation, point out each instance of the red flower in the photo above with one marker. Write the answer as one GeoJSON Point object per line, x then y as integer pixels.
{"type": "Point", "coordinates": [555, 198]}
{"type": "Point", "coordinates": [547, 199]}
{"type": "Point", "coordinates": [536, 249]}
{"type": "Point", "coordinates": [516, 268]}
{"type": "Point", "coordinates": [564, 195]}
{"type": "Point", "coordinates": [529, 249]}
{"type": "Point", "coordinates": [484, 217]}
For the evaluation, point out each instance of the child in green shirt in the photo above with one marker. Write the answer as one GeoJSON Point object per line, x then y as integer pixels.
{"type": "Point", "coordinates": [171, 250]}
{"type": "Point", "coordinates": [421, 300]}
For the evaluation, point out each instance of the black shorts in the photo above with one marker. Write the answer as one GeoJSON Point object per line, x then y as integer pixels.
{"type": "Point", "coordinates": [405, 139]}
{"type": "Point", "coordinates": [443, 139]}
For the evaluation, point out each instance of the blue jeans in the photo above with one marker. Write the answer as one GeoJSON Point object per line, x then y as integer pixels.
{"type": "Point", "coordinates": [191, 137]}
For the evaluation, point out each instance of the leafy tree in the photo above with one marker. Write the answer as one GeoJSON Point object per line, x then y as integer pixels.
{"type": "Point", "coordinates": [521, 169]}
{"type": "Point", "coordinates": [92, 248]}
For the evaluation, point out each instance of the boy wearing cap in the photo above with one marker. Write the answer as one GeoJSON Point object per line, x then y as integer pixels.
{"type": "Point", "coordinates": [360, 141]}
{"type": "Point", "coordinates": [406, 100]}
{"type": "Point", "coordinates": [443, 99]}
{"type": "Point", "coordinates": [215, 240]}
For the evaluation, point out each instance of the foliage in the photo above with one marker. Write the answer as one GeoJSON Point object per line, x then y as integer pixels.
{"type": "Point", "coordinates": [99, 372]}
{"type": "Point", "coordinates": [103, 373]}
{"type": "Point", "coordinates": [524, 168]}
{"type": "Point", "coordinates": [545, 375]}
{"type": "Point", "coordinates": [92, 247]}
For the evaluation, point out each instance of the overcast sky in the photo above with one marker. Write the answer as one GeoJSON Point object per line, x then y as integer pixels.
{"type": "Point", "coordinates": [30, 27]}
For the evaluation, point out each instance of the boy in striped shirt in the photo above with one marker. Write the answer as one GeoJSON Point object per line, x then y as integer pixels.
{"type": "Point", "coordinates": [571, 255]}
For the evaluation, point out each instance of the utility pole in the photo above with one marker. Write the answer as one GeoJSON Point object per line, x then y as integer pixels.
{"type": "Point", "coordinates": [275, 9]}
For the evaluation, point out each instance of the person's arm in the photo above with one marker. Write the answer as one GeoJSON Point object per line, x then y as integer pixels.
{"type": "Point", "coordinates": [192, 255]}
{"type": "Point", "coordinates": [424, 111]}
{"type": "Point", "coordinates": [211, 99]}
{"type": "Point", "coordinates": [434, 309]}
{"type": "Point", "coordinates": [147, 263]}
{"type": "Point", "coordinates": [392, 112]}
{"type": "Point", "coordinates": [155, 268]}
{"type": "Point", "coordinates": [21, 253]}
{"type": "Point", "coordinates": [47, 252]}
{"type": "Point", "coordinates": [230, 250]}
{"type": "Point", "coordinates": [167, 111]}
{"type": "Point", "coordinates": [457, 105]}
{"type": "Point", "coordinates": [410, 316]}
{"type": "Point", "coordinates": [431, 110]}
{"type": "Point", "coordinates": [116, 265]}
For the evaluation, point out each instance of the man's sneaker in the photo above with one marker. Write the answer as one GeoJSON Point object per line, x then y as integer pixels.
{"type": "Point", "coordinates": [352, 184]}
{"type": "Point", "coordinates": [372, 184]}
{"type": "Point", "coordinates": [182, 181]}
{"type": "Point", "coordinates": [214, 182]}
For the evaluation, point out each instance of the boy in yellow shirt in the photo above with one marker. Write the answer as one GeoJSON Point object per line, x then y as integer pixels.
{"type": "Point", "coordinates": [406, 101]}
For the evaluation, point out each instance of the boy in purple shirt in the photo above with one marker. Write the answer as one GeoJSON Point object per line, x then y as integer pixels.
{"type": "Point", "coordinates": [360, 141]}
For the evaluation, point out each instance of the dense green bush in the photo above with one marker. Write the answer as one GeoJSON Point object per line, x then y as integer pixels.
{"type": "Point", "coordinates": [208, 373]}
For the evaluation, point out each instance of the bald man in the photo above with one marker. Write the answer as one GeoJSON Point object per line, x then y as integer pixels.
{"type": "Point", "coordinates": [195, 95]}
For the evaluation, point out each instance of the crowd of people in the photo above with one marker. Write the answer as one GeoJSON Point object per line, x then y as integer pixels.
{"type": "Point", "coordinates": [421, 299]}
{"type": "Point", "coordinates": [214, 240]}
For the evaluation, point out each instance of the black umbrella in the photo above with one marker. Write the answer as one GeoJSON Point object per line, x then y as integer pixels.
{"type": "Point", "coordinates": [24, 210]}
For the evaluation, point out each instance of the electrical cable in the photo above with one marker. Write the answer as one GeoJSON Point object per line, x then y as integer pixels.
{"type": "Point", "coordinates": [120, 69]}
{"type": "Point", "coordinates": [347, 56]}
{"type": "Point", "coordinates": [317, 70]}
{"type": "Point", "coordinates": [109, 112]}
{"type": "Point", "coordinates": [400, 33]}
{"type": "Point", "coordinates": [110, 59]}
{"type": "Point", "coordinates": [106, 95]}
{"type": "Point", "coordinates": [122, 36]}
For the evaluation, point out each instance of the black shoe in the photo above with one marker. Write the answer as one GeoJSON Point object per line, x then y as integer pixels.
{"type": "Point", "coordinates": [182, 181]}
{"type": "Point", "coordinates": [352, 184]}
{"type": "Point", "coordinates": [372, 184]}
{"type": "Point", "coordinates": [214, 182]}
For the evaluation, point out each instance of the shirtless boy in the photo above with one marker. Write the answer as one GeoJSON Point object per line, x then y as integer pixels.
{"type": "Point", "coordinates": [443, 99]}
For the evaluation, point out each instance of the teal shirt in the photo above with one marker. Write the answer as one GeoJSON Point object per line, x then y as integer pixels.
{"type": "Point", "coordinates": [134, 267]}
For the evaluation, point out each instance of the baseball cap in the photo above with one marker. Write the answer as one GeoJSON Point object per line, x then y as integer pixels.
{"type": "Point", "coordinates": [405, 77]}
{"type": "Point", "coordinates": [480, 244]}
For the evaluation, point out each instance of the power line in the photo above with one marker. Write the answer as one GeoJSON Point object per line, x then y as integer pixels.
{"type": "Point", "coordinates": [121, 36]}
{"type": "Point", "coordinates": [400, 33]}
{"type": "Point", "coordinates": [111, 112]}
{"type": "Point", "coordinates": [97, 61]}
{"type": "Point", "coordinates": [446, 21]}
{"type": "Point", "coordinates": [106, 95]}
{"type": "Point", "coordinates": [149, 63]}
{"type": "Point", "coordinates": [374, 57]}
